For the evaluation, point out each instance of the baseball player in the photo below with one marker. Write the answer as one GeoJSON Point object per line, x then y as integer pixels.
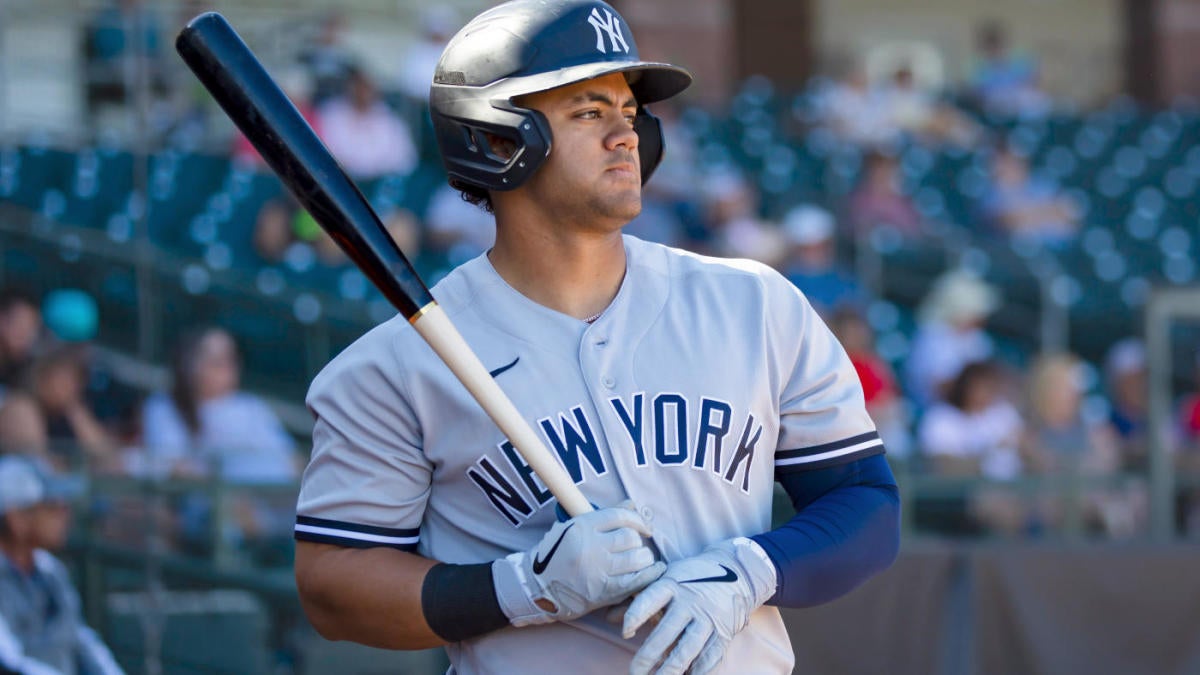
{"type": "Point", "coordinates": [675, 389]}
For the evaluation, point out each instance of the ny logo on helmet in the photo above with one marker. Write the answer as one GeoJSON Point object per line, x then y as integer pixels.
{"type": "Point", "coordinates": [610, 24]}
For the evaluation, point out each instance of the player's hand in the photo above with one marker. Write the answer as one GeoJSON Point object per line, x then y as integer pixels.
{"type": "Point", "coordinates": [708, 599]}
{"type": "Point", "coordinates": [590, 561]}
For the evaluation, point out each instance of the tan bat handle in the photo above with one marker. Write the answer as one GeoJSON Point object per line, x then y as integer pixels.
{"type": "Point", "coordinates": [433, 325]}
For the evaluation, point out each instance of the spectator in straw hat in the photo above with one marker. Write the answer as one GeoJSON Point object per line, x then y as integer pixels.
{"type": "Point", "coordinates": [41, 627]}
{"type": "Point", "coordinates": [950, 333]}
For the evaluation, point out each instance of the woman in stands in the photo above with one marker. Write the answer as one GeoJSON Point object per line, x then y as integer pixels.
{"type": "Point", "coordinates": [207, 427]}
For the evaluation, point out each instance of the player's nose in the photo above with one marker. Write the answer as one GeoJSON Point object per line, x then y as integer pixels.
{"type": "Point", "coordinates": [622, 135]}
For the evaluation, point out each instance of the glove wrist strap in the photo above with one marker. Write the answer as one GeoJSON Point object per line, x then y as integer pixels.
{"type": "Point", "coordinates": [761, 575]}
{"type": "Point", "coordinates": [516, 593]}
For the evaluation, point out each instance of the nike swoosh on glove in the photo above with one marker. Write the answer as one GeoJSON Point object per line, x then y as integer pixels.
{"type": "Point", "coordinates": [590, 561]}
{"type": "Point", "coordinates": [708, 599]}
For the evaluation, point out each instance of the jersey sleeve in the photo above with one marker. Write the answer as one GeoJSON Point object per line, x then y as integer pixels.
{"type": "Point", "coordinates": [368, 480]}
{"type": "Point", "coordinates": [823, 417]}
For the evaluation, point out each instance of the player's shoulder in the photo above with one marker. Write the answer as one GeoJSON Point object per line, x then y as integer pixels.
{"type": "Point", "coordinates": [683, 266]}
{"type": "Point", "coordinates": [377, 351]}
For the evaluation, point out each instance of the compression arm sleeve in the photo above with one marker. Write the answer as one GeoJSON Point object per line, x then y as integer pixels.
{"type": "Point", "coordinates": [846, 529]}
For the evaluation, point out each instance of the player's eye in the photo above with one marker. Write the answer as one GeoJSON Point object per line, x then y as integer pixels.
{"type": "Point", "coordinates": [589, 114]}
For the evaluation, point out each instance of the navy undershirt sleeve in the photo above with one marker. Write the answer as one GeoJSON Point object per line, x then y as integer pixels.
{"type": "Point", "coordinates": [846, 529]}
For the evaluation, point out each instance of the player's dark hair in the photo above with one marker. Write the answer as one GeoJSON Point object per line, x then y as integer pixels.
{"type": "Point", "coordinates": [473, 195]}
{"type": "Point", "coordinates": [183, 373]}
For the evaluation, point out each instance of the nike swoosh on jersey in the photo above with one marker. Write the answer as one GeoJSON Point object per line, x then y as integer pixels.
{"type": "Point", "coordinates": [501, 369]}
{"type": "Point", "coordinates": [539, 566]}
{"type": "Point", "coordinates": [729, 576]}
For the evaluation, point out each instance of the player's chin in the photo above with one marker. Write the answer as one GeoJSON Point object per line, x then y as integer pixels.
{"type": "Point", "coordinates": [625, 206]}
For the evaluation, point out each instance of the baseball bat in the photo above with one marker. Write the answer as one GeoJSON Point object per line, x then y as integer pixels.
{"type": "Point", "coordinates": [241, 85]}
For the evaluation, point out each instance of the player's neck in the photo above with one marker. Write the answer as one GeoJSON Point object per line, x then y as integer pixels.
{"type": "Point", "coordinates": [577, 274]}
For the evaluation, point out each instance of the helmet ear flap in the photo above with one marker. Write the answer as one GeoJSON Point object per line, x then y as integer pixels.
{"type": "Point", "coordinates": [478, 160]}
{"type": "Point", "coordinates": [650, 141]}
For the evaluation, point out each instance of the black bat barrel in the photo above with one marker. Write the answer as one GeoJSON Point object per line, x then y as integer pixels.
{"type": "Point", "coordinates": [240, 84]}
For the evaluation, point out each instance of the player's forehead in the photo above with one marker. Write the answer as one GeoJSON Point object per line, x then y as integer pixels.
{"type": "Point", "coordinates": [612, 89]}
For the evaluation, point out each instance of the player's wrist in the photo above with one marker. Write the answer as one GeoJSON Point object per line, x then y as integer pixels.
{"type": "Point", "coordinates": [758, 571]}
{"type": "Point", "coordinates": [461, 602]}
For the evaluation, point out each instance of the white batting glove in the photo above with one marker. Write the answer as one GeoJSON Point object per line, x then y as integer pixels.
{"type": "Point", "coordinates": [708, 599]}
{"type": "Point", "coordinates": [590, 561]}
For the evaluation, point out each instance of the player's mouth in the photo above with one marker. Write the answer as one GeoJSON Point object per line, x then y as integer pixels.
{"type": "Point", "coordinates": [624, 170]}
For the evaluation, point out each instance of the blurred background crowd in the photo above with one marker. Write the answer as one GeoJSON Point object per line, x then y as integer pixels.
{"type": "Point", "coordinates": [1009, 262]}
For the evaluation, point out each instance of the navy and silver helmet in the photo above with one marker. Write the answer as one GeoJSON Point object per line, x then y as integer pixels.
{"type": "Point", "coordinates": [526, 46]}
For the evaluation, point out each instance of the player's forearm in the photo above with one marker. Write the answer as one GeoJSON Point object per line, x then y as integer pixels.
{"type": "Point", "coordinates": [838, 540]}
{"type": "Point", "coordinates": [371, 596]}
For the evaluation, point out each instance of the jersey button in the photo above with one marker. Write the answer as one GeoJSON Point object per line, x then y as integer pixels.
{"type": "Point", "coordinates": [601, 343]}
{"type": "Point", "coordinates": [608, 382]}
{"type": "Point", "coordinates": [647, 514]}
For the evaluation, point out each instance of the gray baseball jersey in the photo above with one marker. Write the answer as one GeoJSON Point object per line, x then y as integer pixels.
{"type": "Point", "coordinates": [701, 381]}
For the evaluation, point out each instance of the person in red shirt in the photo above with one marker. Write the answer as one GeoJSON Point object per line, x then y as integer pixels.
{"type": "Point", "coordinates": [885, 405]}
{"type": "Point", "coordinates": [1190, 412]}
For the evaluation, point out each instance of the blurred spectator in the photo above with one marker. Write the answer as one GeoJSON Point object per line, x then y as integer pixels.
{"type": "Point", "coordinates": [1003, 81]}
{"type": "Point", "coordinates": [41, 626]}
{"type": "Point", "coordinates": [920, 114]}
{"type": "Point", "coordinates": [855, 110]}
{"type": "Point", "coordinates": [298, 86]}
{"type": "Point", "coordinates": [286, 233]}
{"type": "Point", "coordinates": [72, 316]}
{"type": "Point", "coordinates": [1060, 441]}
{"type": "Point", "coordinates": [328, 61]}
{"type": "Point", "coordinates": [207, 426]}
{"type": "Point", "coordinates": [58, 385]}
{"type": "Point", "coordinates": [877, 200]}
{"type": "Point", "coordinates": [364, 134]}
{"type": "Point", "coordinates": [949, 333]}
{"type": "Point", "coordinates": [20, 329]}
{"type": "Point", "coordinates": [1059, 437]}
{"type": "Point", "coordinates": [1189, 458]}
{"type": "Point", "coordinates": [23, 427]}
{"type": "Point", "coordinates": [735, 227]}
{"type": "Point", "coordinates": [1189, 410]}
{"type": "Point", "coordinates": [1023, 206]}
{"type": "Point", "coordinates": [887, 407]}
{"type": "Point", "coordinates": [977, 431]}
{"type": "Point", "coordinates": [438, 25]}
{"type": "Point", "coordinates": [670, 206]}
{"type": "Point", "coordinates": [1128, 392]}
{"type": "Point", "coordinates": [455, 229]}
{"type": "Point", "coordinates": [811, 260]}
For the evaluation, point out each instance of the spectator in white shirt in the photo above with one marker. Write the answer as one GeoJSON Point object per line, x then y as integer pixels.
{"type": "Point", "coordinates": [206, 427]}
{"type": "Point", "coordinates": [950, 333]}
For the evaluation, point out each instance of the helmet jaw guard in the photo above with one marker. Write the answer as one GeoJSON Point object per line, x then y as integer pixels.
{"type": "Point", "coordinates": [527, 46]}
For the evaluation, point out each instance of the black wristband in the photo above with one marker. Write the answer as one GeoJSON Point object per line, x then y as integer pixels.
{"type": "Point", "coordinates": [459, 601]}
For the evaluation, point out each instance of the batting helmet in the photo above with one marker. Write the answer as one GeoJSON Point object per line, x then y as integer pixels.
{"type": "Point", "coordinates": [527, 46]}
